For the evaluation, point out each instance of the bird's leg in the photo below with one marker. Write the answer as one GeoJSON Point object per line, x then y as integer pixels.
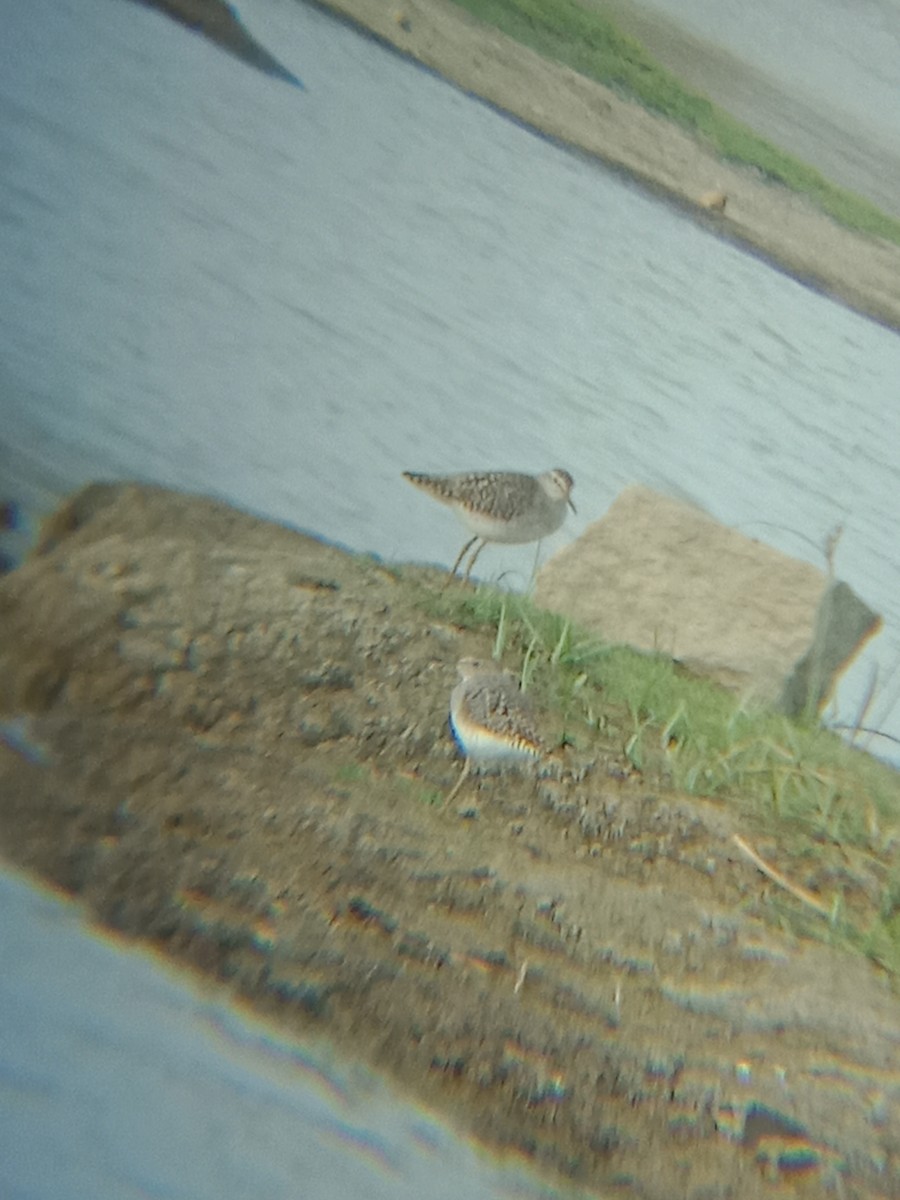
{"type": "Point", "coordinates": [476, 552]}
{"type": "Point", "coordinates": [460, 781]}
{"type": "Point", "coordinates": [537, 554]}
{"type": "Point", "coordinates": [468, 546]}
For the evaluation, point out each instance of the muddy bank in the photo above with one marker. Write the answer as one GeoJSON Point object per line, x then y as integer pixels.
{"type": "Point", "coordinates": [231, 740]}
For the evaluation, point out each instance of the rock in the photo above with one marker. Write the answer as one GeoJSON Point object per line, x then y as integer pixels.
{"type": "Point", "coordinates": [713, 201]}
{"type": "Point", "coordinates": [843, 624]}
{"type": "Point", "coordinates": [664, 576]}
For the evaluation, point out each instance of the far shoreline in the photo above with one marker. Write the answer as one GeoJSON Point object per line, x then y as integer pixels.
{"type": "Point", "coordinates": [776, 225]}
{"type": "Point", "coordinates": [736, 203]}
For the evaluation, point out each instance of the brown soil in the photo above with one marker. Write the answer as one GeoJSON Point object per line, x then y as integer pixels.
{"type": "Point", "coordinates": [238, 752]}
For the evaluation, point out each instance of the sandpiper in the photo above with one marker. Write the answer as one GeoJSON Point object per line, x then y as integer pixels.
{"type": "Point", "coordinates": [491, 718]}
{"type": "Point", "coordinates": [501, 506]}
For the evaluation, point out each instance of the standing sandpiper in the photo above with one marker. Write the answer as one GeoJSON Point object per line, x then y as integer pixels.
{"type": "Point", "coordinates": [501, 506]}
{"type": "Point", "coordinates": [491, 718]}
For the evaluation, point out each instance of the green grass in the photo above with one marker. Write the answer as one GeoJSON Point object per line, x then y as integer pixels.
{"type": "Point", "coordinates": [827, 802]}
{"type": "Point", "coordinates": [589, 43]}
{"type": "Point", "coordinates": [352, 773]}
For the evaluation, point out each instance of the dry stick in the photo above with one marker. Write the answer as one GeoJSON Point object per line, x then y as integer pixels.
{"type": "Point", "coordinates": [777, 877]}
{"type": "Point", "coordinates": [462, 779]}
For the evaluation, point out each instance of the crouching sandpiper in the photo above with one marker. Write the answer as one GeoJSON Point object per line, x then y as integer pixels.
{"type": "Point", "coordinates": [492, 719]}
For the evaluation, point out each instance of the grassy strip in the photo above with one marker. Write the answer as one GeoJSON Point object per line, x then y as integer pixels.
{"type": "Point", "coordinates": [835, 810]}
{"type": "Point", "coordinates": [589, 43]}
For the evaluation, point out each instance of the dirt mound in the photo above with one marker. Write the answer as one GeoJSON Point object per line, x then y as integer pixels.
{"type": "Point", "coordinates": [231, 740]}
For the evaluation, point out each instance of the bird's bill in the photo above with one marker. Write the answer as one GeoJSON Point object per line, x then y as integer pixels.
{"type": "Point", "coordinates": [571, 505]}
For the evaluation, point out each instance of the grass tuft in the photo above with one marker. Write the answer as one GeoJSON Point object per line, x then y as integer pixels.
{"type": "Point", "coordinates": [832, 807]}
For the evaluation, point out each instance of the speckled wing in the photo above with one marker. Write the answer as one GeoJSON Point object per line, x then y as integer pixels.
{"type": "Point", "coordinates": [503, 495]}
{"type": "Point", "coordinates": [497, 703]}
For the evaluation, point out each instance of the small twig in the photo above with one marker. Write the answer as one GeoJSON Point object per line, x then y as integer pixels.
{"type": "Point", "coordinates": [866, 729]}
{"type": "Point", "coordinates": [462, 779]}
{"type": "Point", "coordinates": [781, 880]}
{"type": "Point", "coordinates": [830, 546]}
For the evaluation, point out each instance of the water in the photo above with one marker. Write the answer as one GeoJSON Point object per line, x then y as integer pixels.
{"type": "Point", "coordinates": [216, 282]}
{"type": "Point", "coordinates": [128, 1082]}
